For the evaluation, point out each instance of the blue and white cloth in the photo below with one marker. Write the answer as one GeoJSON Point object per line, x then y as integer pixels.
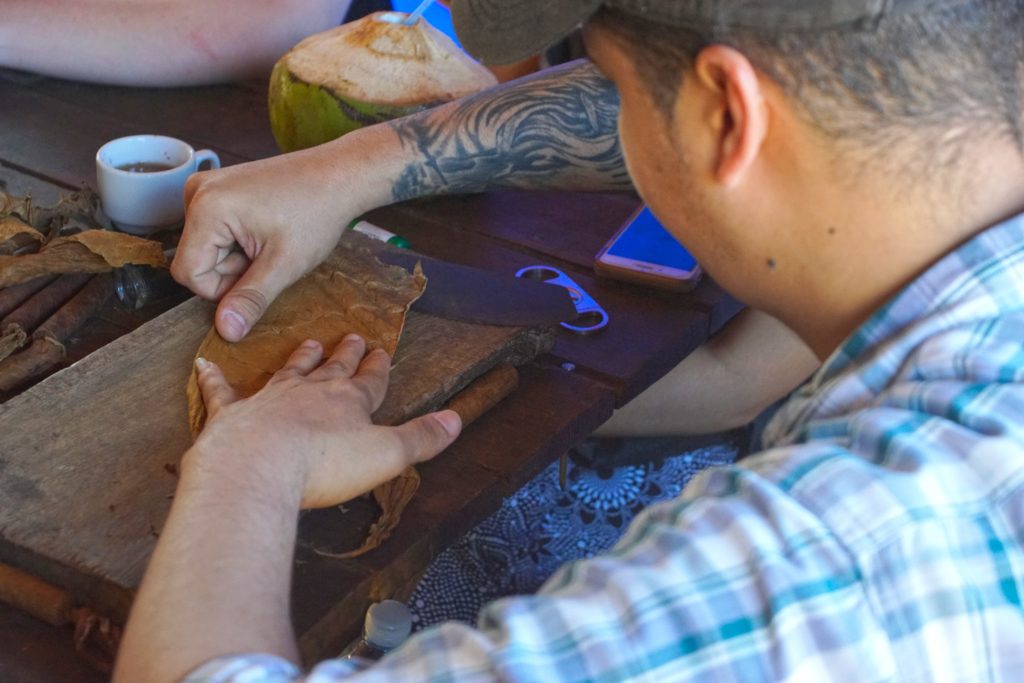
{"type": "Point", "coordinates": [879, 538]}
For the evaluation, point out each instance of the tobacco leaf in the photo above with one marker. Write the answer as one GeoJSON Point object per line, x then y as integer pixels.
{"type": "Point", "coordinates": [351, 292]}
{"type": "Point", "coordinates": [392, 497]}
{"type": "Point", "coordinates": [11, 226]}
{"type": "Point", "coordinates": [18, 207]}
{"type": "Point", "coordinates": [92, 251]}
{"type": "Point", "coordinates": [75, 210]}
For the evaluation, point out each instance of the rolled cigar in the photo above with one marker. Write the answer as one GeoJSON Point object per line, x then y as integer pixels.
{"type": "Point", "coordinates": [485, 392]}
{"type": "Point", "coordinates": [16, 325]}
{"type": "Point", "coordinates": [42, 355]}
{"type": "Point", "coordinates": [35, 596]}
{"type": "Point", "coordinates": [48, 340]}
{"type": "Point", "coordinates": [12, 297]}
{"type": "Point", "coordinates": [72, 315]}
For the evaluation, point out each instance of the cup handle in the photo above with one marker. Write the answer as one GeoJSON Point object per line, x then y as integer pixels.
{"type": "Point", "coordinates": [205, 155]}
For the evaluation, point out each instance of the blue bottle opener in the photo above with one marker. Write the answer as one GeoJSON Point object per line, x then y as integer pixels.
{"type": "Point", "coordinates": [590, 317]}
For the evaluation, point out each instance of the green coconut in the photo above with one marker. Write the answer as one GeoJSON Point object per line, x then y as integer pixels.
{"type": "Point", "coordinates": [365, 72]}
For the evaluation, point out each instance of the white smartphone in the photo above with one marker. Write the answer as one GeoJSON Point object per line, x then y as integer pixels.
{"type": "Point", "coordinates": [644, 252]}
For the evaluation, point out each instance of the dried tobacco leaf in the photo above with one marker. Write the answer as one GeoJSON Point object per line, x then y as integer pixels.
{"type": "Point", "coordinates": [11, 226]}
{"type": "Point", "coordinates": [350, 292]}
{"type": "Point", "coordinates": [75, 210]}
{"type": "Point", "coordinates": [393, 497]}
{"type": "Point", "coordinates": [92, 251]}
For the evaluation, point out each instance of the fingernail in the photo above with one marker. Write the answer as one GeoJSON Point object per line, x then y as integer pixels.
{"type": "Point", "coordinates": [450, 421]}
{"type": "Point", "coordinates": [202, 363]}
{"type": "Point", "coordinates": [352, 336]}
{"type": "Point", "coordinates": [310, 344]}
{"type": "Point", "coordinates": [234, 324]}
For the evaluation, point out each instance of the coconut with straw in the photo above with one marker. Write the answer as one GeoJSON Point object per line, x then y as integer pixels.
{"type": "Point", "coordinates": [383, 66]}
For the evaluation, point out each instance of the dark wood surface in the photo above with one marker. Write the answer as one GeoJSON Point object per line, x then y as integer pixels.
{"type": "Point", "coordinates": [49, 133]}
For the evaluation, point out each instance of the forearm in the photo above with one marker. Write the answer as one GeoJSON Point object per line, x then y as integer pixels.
{"type": "Point", "coordinates": [753, 362]}
{"type": "Point", "coordinates": [557, 129]}
{"type": "Point", "coordinates": [157, 42]}
{"type": "Point", "coordinates": [218, 581]}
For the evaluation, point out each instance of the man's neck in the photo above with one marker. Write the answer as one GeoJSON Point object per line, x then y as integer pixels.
{"type": "Point", "coordinates": [875, 239]}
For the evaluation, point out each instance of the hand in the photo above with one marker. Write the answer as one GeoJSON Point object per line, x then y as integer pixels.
{"type": "Point", "coordinates": [310, 427]}
{"type": "Point", "coordinates": [251, 230]}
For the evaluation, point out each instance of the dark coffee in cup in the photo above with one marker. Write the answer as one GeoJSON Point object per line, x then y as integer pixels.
{"type": "Point", "coordinates": [145, 167]}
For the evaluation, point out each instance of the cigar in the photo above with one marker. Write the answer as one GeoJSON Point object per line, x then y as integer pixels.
{"type": "Point", "coordinates": [34, 596]}
{"type": "Point", "coordinates": [16, 326]}
{"type": "Point", "coordinates": [485, 392]}
{"type": "Point", "coordinates": [12, 297]}
{"type": "Point", "coordinates": [48, 340]}
{"type": "Point", "coordinates": [96, 637]}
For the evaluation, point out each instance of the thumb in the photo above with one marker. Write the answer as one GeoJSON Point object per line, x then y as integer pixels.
{"type": "Point", "coordinates": [428, 435]}
{"type": "Point", "coordinates": [214, 387]}
{"type": "Point", "coordinates": [247, 301]}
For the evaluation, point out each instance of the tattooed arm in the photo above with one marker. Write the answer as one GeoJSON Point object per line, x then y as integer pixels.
{"type": "Point", "coordinates": [557, 129]}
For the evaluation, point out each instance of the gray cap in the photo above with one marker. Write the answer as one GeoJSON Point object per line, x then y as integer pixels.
{"type": "Point", "coordinates": [505, 31]}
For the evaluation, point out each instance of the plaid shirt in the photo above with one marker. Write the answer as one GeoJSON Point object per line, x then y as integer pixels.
{"type": "Point", "coordinates": [881, 538]}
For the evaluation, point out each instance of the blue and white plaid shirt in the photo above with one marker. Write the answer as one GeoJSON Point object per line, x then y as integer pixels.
{"type": "Point", "coordinates": [881, 537]}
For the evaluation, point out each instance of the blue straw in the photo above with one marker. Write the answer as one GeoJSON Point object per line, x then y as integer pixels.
{"type": "Point", "coordinates": [418, 12]}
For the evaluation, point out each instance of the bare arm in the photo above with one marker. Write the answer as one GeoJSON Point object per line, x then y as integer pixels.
{"type": "Point", "coordinates": [556, 129]}
{"type": "Point", "coordinates": [751, 363]}
{"type": "Point", "coordinates": [157, 42]}
{"type": "Point", "coordinates": [218, 582]}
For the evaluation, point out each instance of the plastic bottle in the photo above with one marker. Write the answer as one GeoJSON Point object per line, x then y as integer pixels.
{"type": "Point", "coordinates": [387, 625]}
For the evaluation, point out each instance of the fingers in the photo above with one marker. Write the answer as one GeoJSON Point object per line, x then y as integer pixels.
{"type": "Point", "coordinates": [344, 362]}
{"type": "Point", "coordinates": [204, 259]}
{"type": "Point", "coordinates": [304, 359]}
{"type": "Point", "coordinates": [247, 301]}
{"type": "Point", "coordinates": [215, 389]}
{"type": "Point", "coordinates": [372, 377]}
{"type": "Point", "coordinates": [428, 435]}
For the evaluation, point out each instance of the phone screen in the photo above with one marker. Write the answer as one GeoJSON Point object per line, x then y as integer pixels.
{"type": "Point", "coordinates": [646, 240]}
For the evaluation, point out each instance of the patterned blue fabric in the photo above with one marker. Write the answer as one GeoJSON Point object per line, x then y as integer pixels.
{"type": "Point", "coordinates": [543, 526]}
{"type": "Point", "coordinates": [880, 538]}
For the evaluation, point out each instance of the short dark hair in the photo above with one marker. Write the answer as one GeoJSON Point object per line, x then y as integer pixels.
{"type": "Point", "coordinates": [937, 71]}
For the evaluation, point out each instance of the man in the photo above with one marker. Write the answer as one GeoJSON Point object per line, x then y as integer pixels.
{"type": "Point", "coordinates": [854, 169]}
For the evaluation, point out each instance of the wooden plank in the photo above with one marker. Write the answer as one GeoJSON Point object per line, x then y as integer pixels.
{"type": "Point", "coordinates": [649, 332]}
{"type": "Point", "coordinates": [27, 124]}
{"type": "Point", "coordinates": [16, 183]}
{"type": "Point", "coordinates": [87, 493]}
{"type": "Point", "coordinates": [232, 118]}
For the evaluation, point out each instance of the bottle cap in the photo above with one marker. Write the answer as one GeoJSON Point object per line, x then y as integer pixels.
{"type": "Point", "coordinates": [388, 624]}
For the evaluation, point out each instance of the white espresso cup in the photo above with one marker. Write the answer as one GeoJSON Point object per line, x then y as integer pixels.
{"type": "Point", "coordinates": [142, 180]}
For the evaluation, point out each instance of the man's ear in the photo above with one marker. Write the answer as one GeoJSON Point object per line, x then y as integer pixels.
{"type": "Point", "coordinates": [737, 116]}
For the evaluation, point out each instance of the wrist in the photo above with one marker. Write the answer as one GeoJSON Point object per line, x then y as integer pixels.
{"type": "Point", "coordinates": [231, 471]}
{"type": "Point", "coordinates": [365, 164]}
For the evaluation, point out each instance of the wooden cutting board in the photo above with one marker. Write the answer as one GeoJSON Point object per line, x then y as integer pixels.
{"type": "Point", "coordinates": [88, 458]}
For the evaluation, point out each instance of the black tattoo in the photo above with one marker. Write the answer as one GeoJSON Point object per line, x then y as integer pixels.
{"type": "Point", "coordinates": [557, 130]}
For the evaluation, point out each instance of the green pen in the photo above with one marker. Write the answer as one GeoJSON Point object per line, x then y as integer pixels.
{"type": "Point", "coordinates": [378, 233]}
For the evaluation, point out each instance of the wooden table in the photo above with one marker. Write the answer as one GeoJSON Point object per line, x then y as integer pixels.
{"type": "Point", "coordinates": [49, 132]}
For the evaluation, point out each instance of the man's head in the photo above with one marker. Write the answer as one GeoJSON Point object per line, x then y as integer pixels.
{"type": "Point", "coordinates": [783, 137]}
